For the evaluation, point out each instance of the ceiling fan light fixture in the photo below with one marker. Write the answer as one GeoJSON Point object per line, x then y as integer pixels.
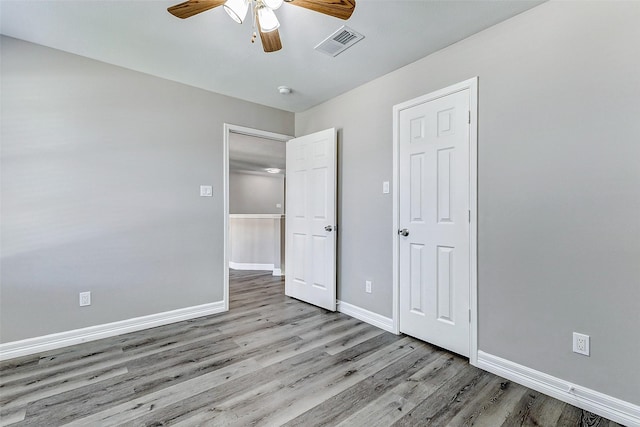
{"type": "Point", "coordinates": [264, 19]}
{"type": "Point", "coordinates": [267, 19]}
{"type": "Point", "coordinates": [237, 9]}
{"type": "Point", "coordinates": [272, 4]}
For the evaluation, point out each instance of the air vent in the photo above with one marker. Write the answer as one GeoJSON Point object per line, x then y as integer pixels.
{"type": "Point", "coordinates": [339, 41]}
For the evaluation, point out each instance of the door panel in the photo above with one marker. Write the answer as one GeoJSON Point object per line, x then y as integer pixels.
{"type": "Point", "coordinates": [416, 278]}
{"type": "Point", "coordinates": [311, 219]}
{"type": "Point", "coordinates": [434, 205]}
{"type": "Point", "coordinates": [298, 262]}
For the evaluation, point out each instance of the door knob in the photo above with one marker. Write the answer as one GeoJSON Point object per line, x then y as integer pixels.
{"type": "Point", "coordinates": [328, 228]}
{"type": "Point", "coordinates": [404, 232]}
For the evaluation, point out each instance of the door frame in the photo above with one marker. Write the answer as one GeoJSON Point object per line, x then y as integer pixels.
{"type": "Point", "coordinates": [472, 86]}
{"type": "Point", "coordinates": [242, 130]}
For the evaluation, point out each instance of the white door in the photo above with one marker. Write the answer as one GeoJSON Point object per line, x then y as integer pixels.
{"type": "Point", "coordinates": [310, 258]}
{"type": "Point", "coordinates": [434, 239]}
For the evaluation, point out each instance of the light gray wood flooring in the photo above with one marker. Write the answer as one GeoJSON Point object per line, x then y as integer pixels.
{"type": "Point", "coordinates": [269, 361]}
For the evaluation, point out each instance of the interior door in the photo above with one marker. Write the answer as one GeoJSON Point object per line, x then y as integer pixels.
{"type": "Point", "coordinates": [434, 265]}
{"type": "Point", "coordinates": [310, 249]}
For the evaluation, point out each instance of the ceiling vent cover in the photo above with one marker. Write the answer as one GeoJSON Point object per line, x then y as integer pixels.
{"type": "Point", "coordinates": [339, 41]}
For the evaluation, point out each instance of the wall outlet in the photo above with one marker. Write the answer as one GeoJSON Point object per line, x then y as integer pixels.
{"type": "Point", "coordinates": [278, 205]}
{"type": "Point", "coordinates": [581, 343]}
{"type": "Point", "coordinates": [206, 191]}
{"type": "Point", "coordinates": [85, 298]}
{"type": "Point", "coordinates": [367, 286]}
{"type": "Point", "coordinates": [385, 187]}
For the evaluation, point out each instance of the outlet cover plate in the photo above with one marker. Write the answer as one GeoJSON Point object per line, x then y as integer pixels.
{"type": "Point", "coordinates": [85, 299]}
{"type": "Point", "coordinates": [581, 343]}
{"type": "Point", "coordinates": [367, 286]}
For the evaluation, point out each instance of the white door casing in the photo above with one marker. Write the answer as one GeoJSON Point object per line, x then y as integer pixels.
{"type": "Point", "coordinates": [310, 248]}
{"type": "Point", "coordinates": [435, 261]}
{"type": "Point", "coordinates": [228, 130]}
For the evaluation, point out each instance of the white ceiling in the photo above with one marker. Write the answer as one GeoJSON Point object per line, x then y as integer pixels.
{"type": "Point", "coordinates": [249, 154]}
{"type": "Point", "coordinates": [212, 52]}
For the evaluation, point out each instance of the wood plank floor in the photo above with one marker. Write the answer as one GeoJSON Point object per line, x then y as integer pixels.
{"type": "Point", "coordinates": [269, 361]}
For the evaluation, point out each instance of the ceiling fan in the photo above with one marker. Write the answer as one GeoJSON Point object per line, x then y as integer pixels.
{"type": "Point", "coordinates": [263, 13]}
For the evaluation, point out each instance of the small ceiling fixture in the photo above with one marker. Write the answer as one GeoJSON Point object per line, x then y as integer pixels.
{"type": "Point", "coordinates": [264, 17]}
{"type": "Point", "coordinates": [284, 90]}
{"type": "Point", "coordinates": [273, 170]}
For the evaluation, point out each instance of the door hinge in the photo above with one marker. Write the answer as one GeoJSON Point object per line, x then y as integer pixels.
{"type": "Point", "coordinates": [469, 216]}
{"type": "Point", "coordinates": [469, 315]}
{"type": "Point", "coordinates": [469, 116]}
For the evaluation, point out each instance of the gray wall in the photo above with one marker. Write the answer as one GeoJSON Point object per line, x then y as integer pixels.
{"type": "Point", "coordinates": [253, 240]}
{"type": "Point", "coordinates": [559, 186]}
{"type": "Point", "coordinates": [255, 194]}
{"type": "Point", "coordinates": [101, 168]}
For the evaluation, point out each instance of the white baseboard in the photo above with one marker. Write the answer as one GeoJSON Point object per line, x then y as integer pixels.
{"type": "Point", "coordinates": [277, 272]}
{"type": "Point", "coordinates": [63, 339]}
{"type": "Point", "coordinates": [370, 317]}
{"type": "Point", "coordinates": [249, 266]}
{"type": "Point", "coordinates": [604, 405]}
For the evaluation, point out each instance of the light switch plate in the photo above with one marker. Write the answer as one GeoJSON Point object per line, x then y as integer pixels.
{"type": "Point", "coordinates": [206, 191]}
{"type": "Point", "coordinates": [385, 187]}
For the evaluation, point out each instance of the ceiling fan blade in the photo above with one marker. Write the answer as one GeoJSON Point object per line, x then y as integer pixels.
{"type": "Point", "coordinates": [193, 7]}
{"type": "Point", "coordinates": [270, 41]}
{"type": "Point", "coordinates": [339, 8]}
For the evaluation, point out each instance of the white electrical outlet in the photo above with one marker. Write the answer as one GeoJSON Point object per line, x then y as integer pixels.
{"type": "Point", "coordinates": [581, 343]}
{"type": "Point", "coordinates": [206, 191]}
{"type": "Point", "coordinates": [367, 286]}
{"type": "Point", "coordinates": [85, 298]}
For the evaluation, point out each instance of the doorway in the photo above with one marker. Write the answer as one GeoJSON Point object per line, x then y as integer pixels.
{"type": "Point", "coordinates": [435, 218]}
{"type": "Point", "coordinates": [250, 167]}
